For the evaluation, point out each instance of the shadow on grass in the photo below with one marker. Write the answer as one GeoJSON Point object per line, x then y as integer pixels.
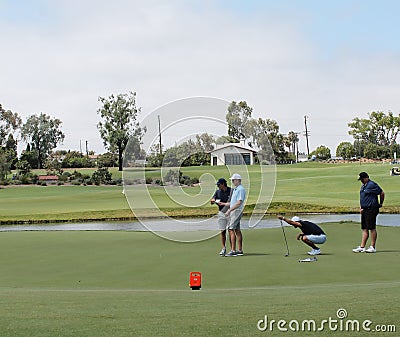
{"type": "Point", "coordinates": [388, 251]}
{"type": "Point", "coordinates": [255, 254]}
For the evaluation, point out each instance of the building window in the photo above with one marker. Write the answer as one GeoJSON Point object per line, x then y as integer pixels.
{"type": "Point", "coordinates": [237, 159]}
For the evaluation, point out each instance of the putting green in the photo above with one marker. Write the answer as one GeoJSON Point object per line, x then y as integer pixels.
{"type": "Point", "coordinates": [136, 284]}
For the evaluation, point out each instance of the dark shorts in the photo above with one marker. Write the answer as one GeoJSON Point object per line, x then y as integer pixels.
{"type": "Point", "coordinates": [368, 218]}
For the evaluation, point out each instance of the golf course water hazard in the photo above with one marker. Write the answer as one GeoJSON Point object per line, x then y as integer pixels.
{"type": "Point", "coordinates": [169, 225]}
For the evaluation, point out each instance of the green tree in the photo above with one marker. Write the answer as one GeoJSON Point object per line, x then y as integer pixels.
{"type": "Point", "coordinates": [23, 167]}
{"type": "Point", "coordinates": [371, 151]}
{"type": "Point", "coordinates": [225, 139]}
{"type": "Point", "coordinates": [345, 150]}
{"type": "Point", "coordinates": [293, 138]}
{"type": "Point", "coordinates": [154, 158]}
{"type": "Point", "coordinates": [107, 160]}
{"type": "Point", "coordinates": [4, 165]}
{"type": "Point", "coordinates": [191, 152]}
{"type": "Point", "coordinates": [53, 165]}
{"type": "Point", "coordinates": [10, 149]}
{"type": "Point", "coordinates": [270, 141]}
{"type": "Point", "coordinates": [379, 129]}
{"type": "Point", "coordinates": [75, 159]}
{"type": "Point", "coordinates": [31, 156]}
{"type": "Point", "coordinates": [101, 176]}
{"type": "Point", "coordinates": [118, 124]}
{"type": "Point", "coordinates": [321, 152]}
{"type": "Point", "coordinates": [43, 133]}
{"type": "Point", "coordinates": [237, 118]}
{"type": "Point", "coordinates": [9, 122]}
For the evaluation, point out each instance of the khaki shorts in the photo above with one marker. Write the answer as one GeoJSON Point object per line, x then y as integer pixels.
{"type": "Point", "coordinates": [235, 217]}
{"type": "Point", "coordinates": [223, 221]}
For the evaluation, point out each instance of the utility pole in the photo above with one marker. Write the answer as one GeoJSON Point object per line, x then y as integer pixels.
{"type": "Point", "coordinates": [159, 134]}
{"type": "Point", "coordinates": [307, 133]}
{"type": "Point", "coordinates": [87, 151]}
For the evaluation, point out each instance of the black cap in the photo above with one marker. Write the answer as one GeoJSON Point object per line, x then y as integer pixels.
{"type": "Point", "coordinates": [363, 175]}
{"type": "Point", "coordinates": [221, 181]}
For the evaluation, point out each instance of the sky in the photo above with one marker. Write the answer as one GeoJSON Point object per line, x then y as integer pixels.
{"type": "Point", "coordinates": [329, 60]}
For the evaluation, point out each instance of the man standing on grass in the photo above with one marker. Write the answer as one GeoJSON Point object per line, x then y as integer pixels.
{"type": "Point", "coordinates": [235, 212]}
{"type": "Point", "coordinates": [369, 209]}
{"type": "Point", "coordinates": [311, 234]}
{"type": "Point", "coordinates": [221, 199]}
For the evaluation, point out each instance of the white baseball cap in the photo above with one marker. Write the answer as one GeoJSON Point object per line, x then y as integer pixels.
{"type": "Point", "coordinates": [296, 218]}
{"type": "Point", "coordinates": [236, 176]}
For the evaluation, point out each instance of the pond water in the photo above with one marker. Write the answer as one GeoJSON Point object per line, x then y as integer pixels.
{"type": "Point", "coordinates": [196, 224]}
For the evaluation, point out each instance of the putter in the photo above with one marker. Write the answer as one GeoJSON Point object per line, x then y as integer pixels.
{"type": "Point", "coordinates": [284, 235]}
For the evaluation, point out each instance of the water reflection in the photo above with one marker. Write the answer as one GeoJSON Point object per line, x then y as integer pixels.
{"type": "Point", "coordinates": [165, 225]}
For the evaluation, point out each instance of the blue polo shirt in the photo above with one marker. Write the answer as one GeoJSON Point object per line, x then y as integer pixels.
{"type": "Point", "coordinates": [369, 194]}
{"type": "Point", "coordinates": [239, 193]}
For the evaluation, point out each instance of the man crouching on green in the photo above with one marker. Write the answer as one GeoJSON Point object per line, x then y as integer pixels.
{"type": "Point", "coordinates": [311, 234]}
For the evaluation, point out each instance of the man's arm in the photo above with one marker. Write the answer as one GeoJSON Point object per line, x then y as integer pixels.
{"type": "Point", "coordinates": [381, 198]}
{"type": "Point", "coordinates": [289, 221]}
{"type": "Point", "coordinates": [236, 205]}
{"type": "Point", "coordinates": [213, 198]}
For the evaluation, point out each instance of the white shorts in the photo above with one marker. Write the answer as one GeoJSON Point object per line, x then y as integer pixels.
{"type": "Point", "coordinates": [223, 221]}
{"type": "Point", "coordinates": [319, 239]}
{"type": "Point", "coordinates": [235, 217]}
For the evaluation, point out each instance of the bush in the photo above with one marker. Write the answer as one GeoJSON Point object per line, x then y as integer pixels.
{"type": "Point", "coordinates": [173, 177]}
{"type": "Point", "coordinates": [185, 180]}
{"type": "Point", "coordinates": [43, 183]}
{"type": "Point", "coordinates": [149, 180]}
{"type": "Point", "coordinates": [101, 176]}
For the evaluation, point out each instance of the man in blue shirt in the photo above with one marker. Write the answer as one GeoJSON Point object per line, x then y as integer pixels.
{"type": "Point", "coordinates": [369, 209]}
{"type": "Point", "coordinates": [235, 211]}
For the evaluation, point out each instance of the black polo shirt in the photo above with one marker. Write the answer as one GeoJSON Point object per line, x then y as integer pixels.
{"type": "Point", "coordinates": [310, 228]}
{"type": "Point", "coordinates": [223, 196]}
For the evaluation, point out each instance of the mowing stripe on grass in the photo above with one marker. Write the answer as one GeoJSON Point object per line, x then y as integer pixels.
{"type": "Point", "coordinates": [216, 290]}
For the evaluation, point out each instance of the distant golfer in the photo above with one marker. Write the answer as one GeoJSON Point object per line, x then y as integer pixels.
{"type": "Point", "coordinates": [311, 234]}
{"type": "Point", "coordinates": [235, 212]}
{"type": "Point", "coordinates": [221, 198]}
{"type": "Point", "coordinates": [369, 209]}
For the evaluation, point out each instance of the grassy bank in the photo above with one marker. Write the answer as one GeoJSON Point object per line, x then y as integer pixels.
{"type": "Point", "coordinates": [308, 187]}
{"type": "Point", "coordinates": [136, 284]}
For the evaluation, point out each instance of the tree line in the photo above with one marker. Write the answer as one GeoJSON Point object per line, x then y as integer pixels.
{"type": "Point", "coordinates": [374, 137]}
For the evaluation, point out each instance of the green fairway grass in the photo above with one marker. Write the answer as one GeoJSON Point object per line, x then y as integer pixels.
{"type": "Point", "coordinates": [307, 187]}
{"type": "Point", "coordinates": [136, 283]}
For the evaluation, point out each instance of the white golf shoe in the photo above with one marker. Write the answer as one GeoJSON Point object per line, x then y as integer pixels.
{"type": "Point", "coordinates": [314, 252]}
{"type": "Point", "coordinates": [359, 250]}
{"type": "Point", "coordinates": [370, 250]}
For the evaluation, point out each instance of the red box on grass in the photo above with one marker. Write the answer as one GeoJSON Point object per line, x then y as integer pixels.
{"type": "Point", "coordinates": [195, 280]}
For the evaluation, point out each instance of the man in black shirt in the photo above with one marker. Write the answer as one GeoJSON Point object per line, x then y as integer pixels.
{"type": "Point", "coordinates": [221, 198]}
{"type": "Point", "coordinates": [311, 234]}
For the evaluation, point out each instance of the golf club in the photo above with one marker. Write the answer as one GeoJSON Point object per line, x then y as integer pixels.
{"type": "Point", "coordinates": [284, 235]}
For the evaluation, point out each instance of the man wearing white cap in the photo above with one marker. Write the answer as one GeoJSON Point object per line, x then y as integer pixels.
{"type": "Point", "coordinates": [236, 206]}
{"type": "Point", "coordinates": [311, 234]}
